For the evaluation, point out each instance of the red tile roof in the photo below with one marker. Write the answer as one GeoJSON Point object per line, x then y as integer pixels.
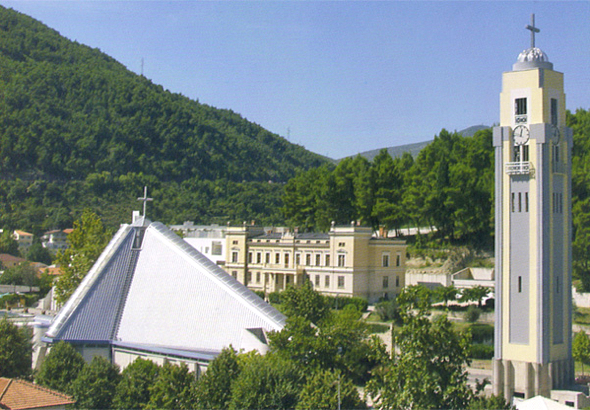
{"type": "Point", "coordinates": [21, 395]}
{"type": "Point", "coordinates": [5, 257]}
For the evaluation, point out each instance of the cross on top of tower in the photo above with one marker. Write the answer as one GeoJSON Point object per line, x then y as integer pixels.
{"type": "Point", "coordinates": [144, 199]}
{"type": "Point", "coordinates": [533, 30]}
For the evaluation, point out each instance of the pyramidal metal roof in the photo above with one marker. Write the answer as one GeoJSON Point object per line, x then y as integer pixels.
{"type": "Point", "coordinates": [150, 288]}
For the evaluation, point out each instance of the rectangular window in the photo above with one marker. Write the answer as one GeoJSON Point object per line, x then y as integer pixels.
{"type": "Point", "coordinates": [340, 282]}
{"type": "Point", "coordinates": [385, 260]}
{"type": "Point", "coordinates": [257, 277]}
{"type": "Point", "coordinates": [318, 259]}
{"type": "Point", "coordinates": [286, 260]}
{"type": "Point", "coordinates": [520, 106]}
{"type": "Point", "coordinates": [341, 260]}
{"type": "Point", "coordinates": [234, 257]}
{"type": "Point", "coordinates": [328, 259]}
{"type": "Point", "coordinates": [526, 201]}
{"type": "Point", "coordinates": [554, 117]}
{"type": "Point", "coordinates": [277, 258]}
{"type": "Point", "coordinates": [267, 257]}
{"type": "Point", "coordinates": [249, 257]}
{"type": "Point", "coordinates": [258, 257]}
{"type": "Point", "coordinates": [341, 244]}
{"type": "Point", "coordinates": [297, 259]}
{"type": "Point", "coordinates": [248, 278]}
{"type": "Point", "coordinates": [398, 260]}
{"type": "Point", "coordinates": [327, 281]}
{"type": "Point", "coordinates": [234, 242]}
{"type": "Point", "coordinates": [385, 282]}
{"type": "Point", "coordinates": [512, 202]}
{"type": "Point", "coordinates": [519, 202]}
{"type": "Point", "coordinates": [317, 281]}
{"type": "Point", "coordinates": [287, 279]}
{"type": "Point", "coordinates": [520, 284]}
{"type": "Point", "coordinates": [307, 259]}
{"type": "Point", "coordinates": [556, 153]}
{"type": "Point", "coordinates": [525, 153]}
{"type": "Point", "coordinates": [397, 281]}
{"type": "Point", "coordinates": [216, 248]}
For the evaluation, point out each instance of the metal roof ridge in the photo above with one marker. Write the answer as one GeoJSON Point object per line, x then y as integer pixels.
{"type": "Point", "coordinates": [242, 293]}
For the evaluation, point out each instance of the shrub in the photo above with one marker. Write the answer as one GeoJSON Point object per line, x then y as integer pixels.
{"type": "Point", "coordinates": [482, 333]}
{"type": "Point", "coordinates": [473, 313]}
{"type": "Point", "coordinates": [260, 294]}
{"type": "Point", "coordinates": [480, 351]}
{"type": "Point", "coordinates": [377, 328]}
{"type": "Point", "coordinates": [274, 297]}
{"type": "Point", "coordinates": [387, 310]}
{"type": "Point", "coordinates": [339, 302]}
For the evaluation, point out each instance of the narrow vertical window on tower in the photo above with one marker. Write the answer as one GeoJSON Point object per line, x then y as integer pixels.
{"type": "Point", "coordinates": [520, 106]}
{"type": "Point", "coordinates": [520, 284]}
{"type": "Point", "coordinates": [513, 202]}
{"type": "Point", "coordinates": [526, 201]}
{"type": "Point", "coordinates": [554, 117]}
{"type": "Point", "coordinates": [520, 202]}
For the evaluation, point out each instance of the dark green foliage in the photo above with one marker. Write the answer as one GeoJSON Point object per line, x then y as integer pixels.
{"type": "Point", "coordinates": [428, 367]}
{"type": "Point", "coordinates": [37, 253]}
{"type": "Point", "coordinates": [301, 300]}
{"type": "Point", "coordinates": [267, 382]}
{"type": "Point", "coordinates": [60, 367]}
{"type": "Point", "coordinates": [472, 314]}
{"type": "Point", "coordinates": [479, 351]}
{"type": "Point", "coordinates": [581, 348]}
{"type": "Point", "coordinates": [95, 386]}
{"type": "Point", "coordinates": [133, 391]}
{"type": "Point", "coordinates": [387, 310]}
{"type": "Point", "coordinates": [339, 302]}
{"type": "Point", "coordinates": [7, 243]}
{"type": "Point", "coordinates": [482, 333]}
{"type": "Point", "coordinates": [274, 297]}
{"type": "Point", "coordinates": [22, 274]}
{"type": "Point", "coordinates": [174, 388]}
{"type": "Point", "coordinates": [260, 294]}
{"type": "Point", "coordinates": [77, 123]}
{"type": "Point", "coordinates": [15, 350]}
{"type": "Point", "coordinates": [214, 387]}
{"type": "Point", "coordinates": [483, 402]}
{"type": "Point", "coordinates": [475, 294]}
{"type": "Point", "coordinates": [321, 392]}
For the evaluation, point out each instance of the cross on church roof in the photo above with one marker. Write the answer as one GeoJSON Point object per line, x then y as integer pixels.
{"type": "Point", "coordinates": [533, 30]}
{"type": "Point", "coordinates": [144, 199]}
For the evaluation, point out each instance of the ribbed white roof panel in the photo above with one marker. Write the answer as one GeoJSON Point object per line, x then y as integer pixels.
{"type": "Point", "coordinates": [178, 298]}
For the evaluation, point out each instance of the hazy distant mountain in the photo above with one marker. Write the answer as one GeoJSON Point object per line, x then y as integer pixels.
{"type": "Point", "coordinates": [416, 147]}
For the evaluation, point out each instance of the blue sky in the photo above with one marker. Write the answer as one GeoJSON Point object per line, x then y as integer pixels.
{"type": "Point", "coordinates": [338, 77]}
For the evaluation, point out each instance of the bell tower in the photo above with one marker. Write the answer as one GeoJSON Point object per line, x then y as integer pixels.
{"type": "Point", "coordinates": [533, 230]}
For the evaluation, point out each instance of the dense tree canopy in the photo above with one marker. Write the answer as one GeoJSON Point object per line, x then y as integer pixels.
{"type": "Point", "coordinates": [80, 130]}
{"type": "Point", "coordinates": [15, 350]}
{"type": "Point", "coordinates": [60, 368]}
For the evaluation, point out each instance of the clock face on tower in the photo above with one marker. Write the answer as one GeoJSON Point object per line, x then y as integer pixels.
{"type": "Point", "coordinates": [521, 135]}
{"type": "Point", "coordinates": [555, 134]}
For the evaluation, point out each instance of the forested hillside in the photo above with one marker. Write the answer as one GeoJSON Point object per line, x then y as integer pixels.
{"type": "Point", "coordinates": [77, 129]}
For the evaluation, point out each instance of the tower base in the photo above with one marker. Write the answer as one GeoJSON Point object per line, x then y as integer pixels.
{"type": "Point", "coordinates": [513, 378]}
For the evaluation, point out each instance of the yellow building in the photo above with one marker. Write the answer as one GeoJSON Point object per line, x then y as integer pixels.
{"type": "Point", "coordinates": [346, 261]}
{"type": "Point", "coordinates": [533, 231]}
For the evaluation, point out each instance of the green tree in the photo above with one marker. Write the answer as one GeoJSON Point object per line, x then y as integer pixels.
{"type": "Point", "coordinates": [581, 348]}
{"type": "Point", "coordinates": [267, 382]}
{"type": "Point", "coordinates": [22, 274]}
{"type": "Point", "coordinates": [15, 350]}
{"type": "Point", "coordinates": [95, 386]}
{"type": "Point", "coordinates": [214, 387]}
{"type": "Point", "coordinates": [428, 367]}
{"type": "Point", "coordinates": [446, 293]}
{"type": "Point", "coordinates": [86, 242]}
{"type": "Point", "coordinates": [133, 391]}
{"type": "Point", "coordinates": [475, 294]}
{"type": "Point", "coordinates": [329, 390]}
{"type": "Point", "coordinates": [8, 244]}
{"type": "Point", "coordinates": [174, 388]}
{"type": "Point", "coordinates": [37, 253]}
{"type": "Point", "coordinates": [302, 300]}
{"type": "Point", "coordinates": [60, 367]}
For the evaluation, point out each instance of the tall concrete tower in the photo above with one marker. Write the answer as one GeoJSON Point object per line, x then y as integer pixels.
{"type": "Point", "coordinates": [533, 230]}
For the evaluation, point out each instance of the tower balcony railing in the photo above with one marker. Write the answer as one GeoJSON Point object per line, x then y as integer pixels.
{"type": "Point", "coordinates": [519, 168]}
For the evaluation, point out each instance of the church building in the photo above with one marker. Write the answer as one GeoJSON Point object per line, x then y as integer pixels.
{"type": "Point", "coordinates": [533, 231]}
{"type": "Point", "coordinates": [152, 295]}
